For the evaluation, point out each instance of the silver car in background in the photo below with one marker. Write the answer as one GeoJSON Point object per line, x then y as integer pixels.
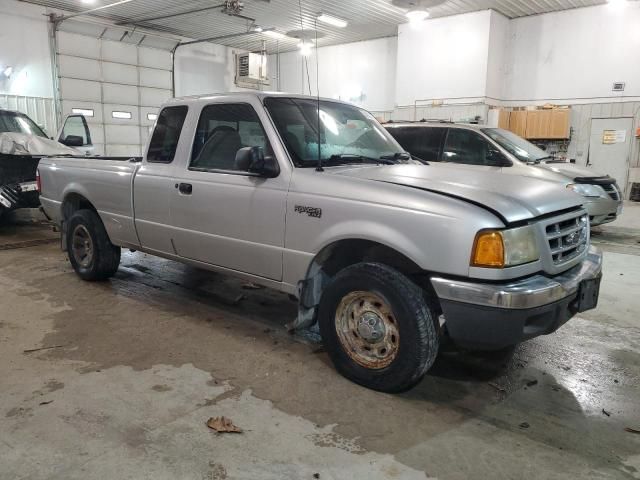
{"type": "Point", "coordinates": [503, 151]}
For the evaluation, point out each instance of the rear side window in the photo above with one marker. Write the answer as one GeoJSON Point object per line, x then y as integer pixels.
{"type": "Point", "coordinates": [421, 142]}
{"type": "Point", "coordinates": [465, 146]}
{"type": "Point", "coordinates": [166, 135]}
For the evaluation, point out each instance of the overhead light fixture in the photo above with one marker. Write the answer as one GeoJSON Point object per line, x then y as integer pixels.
{"type": "Point", "coordinates": [274, 34]}
{"type": "Point", "coordinates": [305, 48]}
{"type": "Point", "coordinates": [257, 29]}
{"type": "Point", "coordinates": [417, 15]}
{"type": "Point", "coordinates": [331, 20]}
{"type": "Point", "coordinates": [7, 71]}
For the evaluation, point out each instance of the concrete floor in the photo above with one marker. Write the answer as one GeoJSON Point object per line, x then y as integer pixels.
{"type": "Point", "coordinates": [133, 369]}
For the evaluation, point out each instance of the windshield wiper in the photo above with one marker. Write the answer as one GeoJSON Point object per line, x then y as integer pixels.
{"type": "Point", "coordinates": [350, 158]}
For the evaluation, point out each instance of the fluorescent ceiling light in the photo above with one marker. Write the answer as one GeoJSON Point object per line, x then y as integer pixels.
{"type": "Point", "coordinates": [305, 48]}
{"type": "Point", "coordinates": [152, 116]}
{"type": "Point", "coordinates": [274, 34]}
{"type": "Point", "coordinates": [257, 28]}
{"type": "Point", "coordinates": [417, 15]}
{"type": "Point", "coordinates": [331, 20]}
{"type": "Point", "coordinates": [7, 71]}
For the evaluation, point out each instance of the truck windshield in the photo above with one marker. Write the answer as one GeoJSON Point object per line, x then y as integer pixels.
{"type": "Point", "coordinates": [347, 134]}
{"type": "Point", "coordinates": [14, 122]}
{"type": "Point", "coordinates": [523, 150]}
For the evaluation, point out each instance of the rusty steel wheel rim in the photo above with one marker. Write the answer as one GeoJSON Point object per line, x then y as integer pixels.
{"type": "Point", "coordinates": [367, 330]}
{"type": "Point", "coordinates": [82, 246]}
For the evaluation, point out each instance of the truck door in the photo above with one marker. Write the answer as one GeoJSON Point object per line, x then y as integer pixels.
{"type": "Point", "coordinates": [220, 214]}
{"type": "Point", "coordinates": [75, 133]}
{"type": "Point", "coordinates": [153, 185]}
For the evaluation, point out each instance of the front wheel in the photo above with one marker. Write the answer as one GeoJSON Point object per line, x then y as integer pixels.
{"type": "Point", "coordinates": [90, 251]}
{"type": "Point", "coordinates": [378, 328]}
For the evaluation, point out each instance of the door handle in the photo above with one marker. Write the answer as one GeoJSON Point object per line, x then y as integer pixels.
{"type": "Point", "coordinates": [185, 188]}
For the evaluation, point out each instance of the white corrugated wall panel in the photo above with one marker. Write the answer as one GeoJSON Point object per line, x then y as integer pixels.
{"type": "Point", "coordinates": [123, 150]}
{"type": "Point", "coordinates": [85, 90]}
{"type": "Point", "coordinates": [152, 77]}
{"type": "Point", "coordinates": [80, 68]}
{"type": "Point", "coordinates": [119, 52]}
{"type": "Point", "coordinates": [153, 97]}
{"type": "Point", "coordinates": [122, 135]}
{"type": "Point", "coordinates": [119, 73]}
{"type": "Point", "coordinates": [114, 93]}
{"type": "Point", "coordinates": [78, 45]}
{"type": "Point", "coordinates": [154, 58]}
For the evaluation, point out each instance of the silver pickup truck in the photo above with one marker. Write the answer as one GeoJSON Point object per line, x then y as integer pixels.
{"type": "Point", "coordinates": [388, 254]}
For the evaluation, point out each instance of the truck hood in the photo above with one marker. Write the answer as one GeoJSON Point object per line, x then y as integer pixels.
{"type": "Point", "coordinates": [571, 170]}
{"type": "Point", "coordinates": [513, 198]}
{"type": "Point", "coordinates": [21, 144]}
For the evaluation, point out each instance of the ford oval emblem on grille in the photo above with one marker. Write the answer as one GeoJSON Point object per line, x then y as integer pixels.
{"type": "Point", "coordinates": [573, 238]}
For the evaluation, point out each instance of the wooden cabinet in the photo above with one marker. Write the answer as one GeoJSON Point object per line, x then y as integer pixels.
{"type": "Point", "coordinates": [503, 119]}
{"type": "Point", "coordinates": [551, 124]}
{"type": "Point", "coordinates": [559, 124]}
{"type": "Point", "coordinates": [538, 124]}
{"type": "Point", "coordinates": [518, 122]}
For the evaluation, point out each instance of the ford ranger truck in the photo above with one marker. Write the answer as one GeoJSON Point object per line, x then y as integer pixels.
{"type": "Point", "coordinates": [314, 198]}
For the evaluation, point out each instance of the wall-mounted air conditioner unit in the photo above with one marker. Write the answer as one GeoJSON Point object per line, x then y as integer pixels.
{"type": "Point", "coordinates": [251, 70]}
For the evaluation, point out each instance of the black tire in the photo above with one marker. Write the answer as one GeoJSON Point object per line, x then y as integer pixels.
{"type": "Point", "coordinates": [105, 257]}
{"type": "Point", "coordinates": [413, 319]}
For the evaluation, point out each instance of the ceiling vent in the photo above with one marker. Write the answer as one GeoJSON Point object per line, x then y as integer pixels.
{"type": "Point", "coordinates": [618, 86]}
{"type": "Point", "coordinates": [251, 70]}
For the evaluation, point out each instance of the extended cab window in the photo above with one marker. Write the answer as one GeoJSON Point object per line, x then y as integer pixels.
{"type": "Point", "coordinates": [423, 142]}
{"type": "Point", "coordinates": [224, 129]}
{"type": "Point", "coordinates": [467, 147]}
{"type": "Point", "coordinates": [166, 135]}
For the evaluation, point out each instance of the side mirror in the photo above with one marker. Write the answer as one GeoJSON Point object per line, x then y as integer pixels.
{"type": "Point", "coordinates": [495, 158]}
{"type": "Point", "coordinates": [253, 160]}
{"type": "Point", "coordinates": [73, 141]}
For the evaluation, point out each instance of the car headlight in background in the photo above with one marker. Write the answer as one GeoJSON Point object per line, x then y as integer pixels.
{"type": "Point", "coordinates": [505, 248]}
{"type": "Point", "coordinates": [586, 190]}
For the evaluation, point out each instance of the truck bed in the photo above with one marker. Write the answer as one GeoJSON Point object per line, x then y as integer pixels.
{"type": "Point", "coordinates": [106, 182]}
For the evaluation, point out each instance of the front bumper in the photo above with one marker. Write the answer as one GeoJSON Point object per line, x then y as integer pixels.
{"type": "Point", "coordinates": [496, 315]}
{"type": "Point", "coordinates": [603, 210]}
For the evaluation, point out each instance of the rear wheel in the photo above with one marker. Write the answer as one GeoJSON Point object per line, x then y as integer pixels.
{"type": "Point", "coordinates": [90, 251]}
{"type": "Point", "coordinates": [378, 327]}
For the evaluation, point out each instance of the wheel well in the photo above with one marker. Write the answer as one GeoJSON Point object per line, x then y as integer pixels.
{"type": "Point", "coordinates": [74, 202]}
{"type": "Point", "coordinates": [342, 254]}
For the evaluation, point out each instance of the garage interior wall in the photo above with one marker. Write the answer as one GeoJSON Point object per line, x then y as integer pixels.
{"type": "Point", "coordinates": [121, 84]}
{"type": "Point", "coordinates": [29, 89]}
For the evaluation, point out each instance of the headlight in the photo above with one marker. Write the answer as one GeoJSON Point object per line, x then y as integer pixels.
{"type": "Point", "coordinates": [505, 248]}
{"type": "Point", "coordinates": [587, 190]}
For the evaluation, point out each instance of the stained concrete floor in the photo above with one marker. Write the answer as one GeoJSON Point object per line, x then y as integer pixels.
{"type": "Point", "coordinates": [131, 370]}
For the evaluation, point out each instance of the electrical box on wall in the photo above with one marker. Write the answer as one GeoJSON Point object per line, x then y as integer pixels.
{"type": "Point", "coordinates": [251, 70]}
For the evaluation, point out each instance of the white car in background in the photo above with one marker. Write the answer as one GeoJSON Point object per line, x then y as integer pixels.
{"type": "Point", "coordinates": [488, 148]}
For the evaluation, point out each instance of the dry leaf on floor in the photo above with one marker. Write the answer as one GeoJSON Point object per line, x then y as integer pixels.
{"type": "Point", "coordinates": [631, 430]}
{"type": "Point", "coordinates": [223, 425]}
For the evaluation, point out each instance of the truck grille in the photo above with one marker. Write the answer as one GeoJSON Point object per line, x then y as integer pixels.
{"type": "Point", "coordinates": [612, 191]}
{"type": "Point", "coordinates": [568, 238]}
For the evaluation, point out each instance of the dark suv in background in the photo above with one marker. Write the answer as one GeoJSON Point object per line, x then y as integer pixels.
{"type": "Point", "coordinates": [490, 148]}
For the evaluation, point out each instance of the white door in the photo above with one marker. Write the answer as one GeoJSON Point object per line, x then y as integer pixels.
{"type": "Point", "coordinates": [117, 86]}
{"type": "Point", "coordinates": [610, 148]}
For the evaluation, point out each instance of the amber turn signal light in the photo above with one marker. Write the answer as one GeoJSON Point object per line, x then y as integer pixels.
{"type": "Point", "coordinates": [488, 250]}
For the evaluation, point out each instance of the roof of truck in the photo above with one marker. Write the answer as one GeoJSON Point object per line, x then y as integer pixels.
{"type": "Point", "coordinates": [260, 95]}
